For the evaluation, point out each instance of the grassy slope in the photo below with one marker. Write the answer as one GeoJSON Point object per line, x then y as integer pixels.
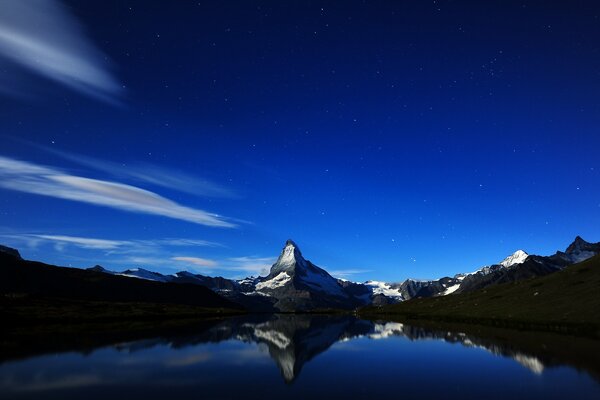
{"type": "Point", "coordinates": [567, 298]}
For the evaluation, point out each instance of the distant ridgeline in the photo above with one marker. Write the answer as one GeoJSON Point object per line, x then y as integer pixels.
{"type": "Point", "coordinates": [293, 283]}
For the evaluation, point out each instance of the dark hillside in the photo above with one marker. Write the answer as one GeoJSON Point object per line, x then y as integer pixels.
{"type": "Point", "coordinates": [567, 297]}
{"type": "Point", "coordinates": [21, 280]}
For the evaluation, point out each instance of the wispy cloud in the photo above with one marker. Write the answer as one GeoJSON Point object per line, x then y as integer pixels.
{"type": "Point", "coordinates": [32, 178]}
{"type": "Point", "coordinates": [162, 253]}
{"type": "Point", "coordinates": [114, 246]}
{"type": "Point", "coordinates": [235, 267]}
{"type": "Point", "coordinates": [250, 264]}
{"type": "Point", "coordinates": [345, 273]}
{"type": "Point", "coordinates": [42, 37]}
{"type": "Point", "coordinates": [196, 261]}
{"type": "Point", "coordinates": [149, 173]}
{"type": "Point", "coordinates": [86, 243]}
{"type": "Point", "coordinates": [181, 242]}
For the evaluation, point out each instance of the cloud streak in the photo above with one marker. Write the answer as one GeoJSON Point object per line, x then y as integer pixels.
{"type": "Point", "coordinates": [148, 173]}
{"type": "Point", "coordinates": [145, 246]}
{"type": "Point", "coordinates": [196, 261]}
{"type": "Point", "coordinates": [250, 264]}
{"type": "Point", "coordinates": [42, 37]}
{"type": "Point", "coordinates": [31, 178]}
{"type": "Point", "coordinates": [86, 243]}
{"type": "Point", "coordinates": [344, 273]}
{"type": "Point", "coordinates": [163, 253]}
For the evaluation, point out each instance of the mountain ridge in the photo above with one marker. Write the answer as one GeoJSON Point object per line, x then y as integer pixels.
{"type": "Point", "coordinates": [296, 284]}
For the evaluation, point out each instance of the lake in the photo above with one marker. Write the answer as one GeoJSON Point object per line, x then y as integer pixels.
{"type": "Point", "coordinates": [301, 357]}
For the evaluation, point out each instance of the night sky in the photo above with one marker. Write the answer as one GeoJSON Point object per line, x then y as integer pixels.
{"type": "Point", "coordinates": [389, 139]}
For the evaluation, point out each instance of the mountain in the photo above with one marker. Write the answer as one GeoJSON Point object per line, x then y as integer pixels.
{"type": "Point", "coordinates": [579, 250]}
{"type": "Point", "coordinates": [142, 273]}
{"type": "Point", "coordinates": [568, 299]}
{"type": "Point", "coordinates": [530, 266]}
{"type": "Point", "coordinates": [515, 267]}
{"type": "Point", "coordinates": [517, 257]}
{"type": "Point", "coordinates": [293, 284]}
{"type": "Point", "coordinates": [28, 280]}
{"type": "Point", "coordinates": [296, 284]}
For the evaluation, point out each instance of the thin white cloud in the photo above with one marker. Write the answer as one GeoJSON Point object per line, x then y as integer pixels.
{"type": "Point", "coordinates": [148, 173]}
{"type": "Point", "coordinates": [250, 264]}
{"type": "Point", "coordinates": [196, 261]}
{"type": "Point", "coordinates": [31, 178]}
{"type": "Point", "coordinates": [344, 273]}
{"type": "Point", "coordinates": [163, 254]}
{"type": "Point", "coordinates": [86, 243]}
{"type": "Point", "coordinates": [180, 242]}
{"type": "Point", "coordinates": [43, 37]}
{"type": "Point", "coordinates": [145, 246]}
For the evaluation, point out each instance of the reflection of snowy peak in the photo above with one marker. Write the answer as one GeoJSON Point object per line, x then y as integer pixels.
{"type": "Point", "coordinates": [293, 340]}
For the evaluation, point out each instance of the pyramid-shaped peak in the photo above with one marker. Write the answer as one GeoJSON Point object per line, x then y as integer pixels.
{"type": "Point", "coordinates": [290, 242]}
{"type": "Point", "coordinates": [289, 259]}
{"type": "Point", "coordinates": [579, 240]}
{"type": "Point", "coordinates": [578, 245]}
{"type": "Point", "coordinates": [290, 253]}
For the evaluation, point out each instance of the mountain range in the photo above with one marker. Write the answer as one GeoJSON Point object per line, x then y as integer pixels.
{"type": "Point", "coordinates": [296, 284]}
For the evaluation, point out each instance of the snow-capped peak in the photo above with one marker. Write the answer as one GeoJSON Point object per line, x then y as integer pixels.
{"type": "Point", "coordinates": [289, 258]}
{"type": "Point", "coordinates": [518, 257]}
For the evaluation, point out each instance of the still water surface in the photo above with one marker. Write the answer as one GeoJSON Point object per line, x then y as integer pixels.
{"type": "Point", "coordinates": [298, 357]}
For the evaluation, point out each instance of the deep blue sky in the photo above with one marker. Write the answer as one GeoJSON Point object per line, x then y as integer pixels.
{"type": "Point", "coordinates": [388, 139]}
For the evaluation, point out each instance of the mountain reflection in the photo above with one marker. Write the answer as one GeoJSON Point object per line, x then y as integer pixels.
{"type": "Point", "coordinates": [293, 340]}
{"type": "Point", "coordinates": [290, 341]}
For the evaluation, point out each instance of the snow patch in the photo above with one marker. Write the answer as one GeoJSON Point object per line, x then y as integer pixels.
{"type": "Point", "coordinates": [384, 289]}
{"type": "Point", "coordinates": [255, 294]}
{"type": "Point", "coordinates": [278, 281]}
{"type": "Point", "coordinates": [532, 363]}
{"type": "Point", "coordinates": [275, 337]}
{"type": "Point", "coordinates": [451, 289]}
{"type": "Point", "coordinates": [323, 283]}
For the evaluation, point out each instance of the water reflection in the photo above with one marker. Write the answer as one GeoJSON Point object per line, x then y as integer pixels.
{"type": "Point", "coordinates": [239, 350]}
